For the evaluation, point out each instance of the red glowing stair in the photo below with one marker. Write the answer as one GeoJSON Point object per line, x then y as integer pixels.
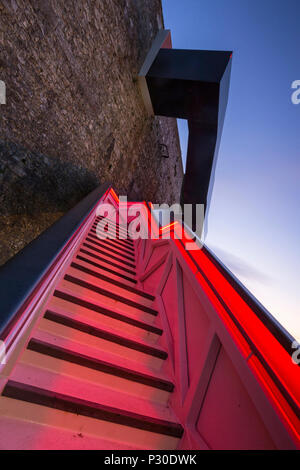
{"type": "Point", "coordinates": [129, 343]}
{"type": "Point", "coordinates": [94, 353]}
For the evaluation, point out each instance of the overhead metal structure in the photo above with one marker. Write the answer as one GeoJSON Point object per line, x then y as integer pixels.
{"type": "Point", "coordinates": [192, 85]}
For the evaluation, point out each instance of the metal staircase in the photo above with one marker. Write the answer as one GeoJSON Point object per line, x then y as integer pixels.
{"type": "Point", "coordinates": [91, 374]}
{"type": "Point", "coordinates": [120, 344]}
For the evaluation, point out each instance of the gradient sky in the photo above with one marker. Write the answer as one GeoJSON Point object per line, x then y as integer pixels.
{"type": "Point", "coordinates": [253, 224]}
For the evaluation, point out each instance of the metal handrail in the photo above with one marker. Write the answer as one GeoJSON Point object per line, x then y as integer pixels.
{"type": "Point", "coordinates": [283, 337]}
{"type": "Point", "coordinates": [273, 325]}
{"type": "Point", "coordinates": [22, 275]}
{"type": "Point", "coordinates": [278, 331]}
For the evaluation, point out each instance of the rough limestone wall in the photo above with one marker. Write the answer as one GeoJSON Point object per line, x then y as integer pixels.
{"type": "Point", "coordinates": [74, 115]}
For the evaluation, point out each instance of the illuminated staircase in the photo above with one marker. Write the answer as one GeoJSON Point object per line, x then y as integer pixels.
{"type": "Point", "coordinates": [92, 374]}
{"type": "Point", "coordinates": [138, 344]}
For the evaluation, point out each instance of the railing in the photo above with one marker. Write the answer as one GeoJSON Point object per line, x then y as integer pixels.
{"type": "Point", "coordinates": [216, 328]}
{"type": "Point", "coordinates": [230, 360]}
{"type": "Point", "coordinates": [25, 277]}
{"type": "Point", "coordinates": [280, 333]}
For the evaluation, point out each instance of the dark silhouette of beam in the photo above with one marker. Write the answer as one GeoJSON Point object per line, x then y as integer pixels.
{"type": "Point", "coordinates": [192, 85]}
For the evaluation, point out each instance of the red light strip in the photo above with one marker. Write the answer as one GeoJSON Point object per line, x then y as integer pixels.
{"type": "Point", "coordinates": [169, 226]}
{"type": "Point", "coordinates": [270, 362]}
{"type": "Point", "coordinates": [222, 294]}
{"type": "Point", "coordinates": [112, 192]}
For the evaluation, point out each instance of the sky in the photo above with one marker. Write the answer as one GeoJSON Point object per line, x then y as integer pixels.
{"type": "Point", "coordinates": [253, 220]}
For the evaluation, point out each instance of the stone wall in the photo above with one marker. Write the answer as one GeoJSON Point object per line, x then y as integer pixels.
{"type": "Point", "coordinates": [74, 115]}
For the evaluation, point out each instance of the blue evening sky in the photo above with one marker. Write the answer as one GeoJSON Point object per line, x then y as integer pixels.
{"type": "Point", "coordinates": [253, 224]}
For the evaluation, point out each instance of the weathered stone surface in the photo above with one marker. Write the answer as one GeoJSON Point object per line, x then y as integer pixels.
{"type": "Point", "coordinates": [74, 115]}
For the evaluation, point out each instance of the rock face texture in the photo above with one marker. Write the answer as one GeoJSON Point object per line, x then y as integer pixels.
{"type": "Point", "coordinates": [74, 115]}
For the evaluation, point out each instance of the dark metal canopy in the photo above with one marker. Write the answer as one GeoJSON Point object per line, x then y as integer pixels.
{"type": "Point", "coordinates": [192, 85]}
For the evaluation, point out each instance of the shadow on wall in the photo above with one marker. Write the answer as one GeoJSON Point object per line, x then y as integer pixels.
{"type": "Point", "coordinates": [32, 183]}
{"type": "Point", "coordinates": [35, 191]}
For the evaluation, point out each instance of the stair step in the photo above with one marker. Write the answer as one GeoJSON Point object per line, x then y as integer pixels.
{"type": "Point", "coordinates": [44, 419]}
{"type": "Point", "coordinates": [115, 235]}
{"type": "Point", "coordinates": [93, 391]}
{"type": "Point", "coordinates": [91, 409]}
{"type": "Point", "coordinates": [119, 251]}
{"type": "Point", "coordinates": [142, 322]}
{"type": "Point", "coordinates": [106, 282]}
{"type": "Point", "coordinates": [111, 223]}
{"type": "Point", "coordinates": [76, 336]}
{"type": "Point", "coordinates": [74, 354]}
{"type": "Point", "coordinates": [85, 249]}
{"type": "Point", "coordinates": [112, 281]}
{"type": "Point", "coordinates": [35, 436]}
{"type": "Point", "coordinates": [105, 334]}
{"type": "Point", "coordinates": [140, 379]}
{"type": "Point", "coordinates": [93, 289]}
{"type": "Point", "coordinates": [109, 380]}
{"type": "Point", "coordinates": [93, 246]}
{"type": "Point", "coordinates": [114, 242]}
{"type": "Point", "coordinates": [122, 224]}
{"type": "Point", "coordinates": [80, 313]}
{"type": "Point", "coordinates": [99, 268]}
